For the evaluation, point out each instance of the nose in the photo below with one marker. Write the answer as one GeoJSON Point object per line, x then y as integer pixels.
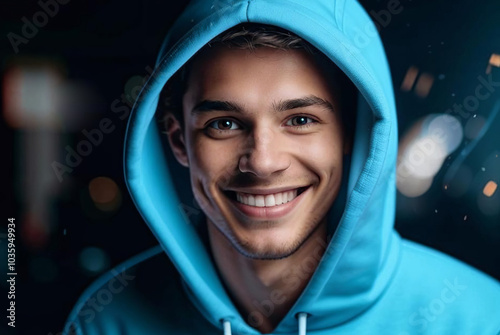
{"type": "Point", "coordinates": [264, 153]}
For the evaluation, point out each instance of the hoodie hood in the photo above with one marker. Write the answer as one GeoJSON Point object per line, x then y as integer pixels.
{"type": "Point", "coordinates": [363, 252]}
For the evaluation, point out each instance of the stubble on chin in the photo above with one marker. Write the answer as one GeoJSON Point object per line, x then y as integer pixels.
{"type": "Point", "coordinates": [274, 252]}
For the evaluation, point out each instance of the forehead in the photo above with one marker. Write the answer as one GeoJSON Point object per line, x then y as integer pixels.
{"type": "Point", "coordinates": [262, 71]}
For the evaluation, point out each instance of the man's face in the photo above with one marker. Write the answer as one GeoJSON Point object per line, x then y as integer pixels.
{"type": "Point", "coordinates": [264, 143]}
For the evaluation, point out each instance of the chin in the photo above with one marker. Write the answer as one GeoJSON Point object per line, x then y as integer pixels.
{"type": "Point", "coordinates": [270, 248]}
{"type": "Point", "coordinates": [269, 253]}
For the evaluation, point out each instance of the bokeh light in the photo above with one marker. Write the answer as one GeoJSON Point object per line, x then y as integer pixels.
{"type": "Point", "coordinates": [105, 193]}
{"type": "Point", "coordinates": [423, 151]}
{"type": "Point", "coordinates": [446, 130]}
{"type": "Point", "coordinates": [424, 85]}
{"type": "Point", "coordinates": [94, 260]}
{"type": "Point", "coordinates": [490, 188]}
{"type": "Point", "coordinates": [409, 79]}
{"type": "Point", "coordinates": [494, 61]}
{"type": "Point", "coordinates": [31, 94]}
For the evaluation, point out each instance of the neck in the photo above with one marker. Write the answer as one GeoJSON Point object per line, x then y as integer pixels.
{"type": "Point", "coordinates": [265, 290]}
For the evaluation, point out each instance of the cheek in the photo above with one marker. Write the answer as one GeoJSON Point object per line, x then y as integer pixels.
{"type": "Point", "coordinates": [325, 159]}
{"type": "Point", "coordinates": [214, 161]}
{"type": "Point", "coordinates": [324, 150]}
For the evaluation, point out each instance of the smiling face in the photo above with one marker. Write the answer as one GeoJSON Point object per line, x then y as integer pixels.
{"type": "Point", "coordinates": [263, 140]}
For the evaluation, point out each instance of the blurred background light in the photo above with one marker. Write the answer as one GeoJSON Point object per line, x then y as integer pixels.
{"type": "Point", "coordinates": [490, 188]}
{"type": "Point", "coordinates": [445, 129]}
{"type": "Point", "coordinates": [105, 193]}
{"type": "Point", "coordinates": [424, 85]}
{"type": "Point", "coordinates": [31, 94]}
{"type": "Point", "coordinates": [409, 79]}
{"type": "Point", "coordinates": [35, 230]}
{"type": "Point", "coordinates": [423, 151]}
{"type": "Point", "coordinates": [413, 187]}
{"type": "Point", "coordinates": [94, 260]}
{"type": "Point", "coordinates": [494, 61]}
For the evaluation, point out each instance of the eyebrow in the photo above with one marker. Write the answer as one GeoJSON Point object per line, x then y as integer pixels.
{"type": "Point", "coordinates": [280, 106]}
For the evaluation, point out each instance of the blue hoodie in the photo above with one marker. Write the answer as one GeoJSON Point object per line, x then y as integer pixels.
{"type": "Point", "coordinates": [369, 280]}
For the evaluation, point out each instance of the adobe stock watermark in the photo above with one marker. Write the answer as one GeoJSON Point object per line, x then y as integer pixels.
{"type": "Point", "coordinates": [381, 19]}
{"type": "Point", "coordinates": [89, 309]}
{"type": "Point", "coordinates": [482, 92]}
{"type": "Point", "coordinates": [121, 107]}
{"type": "Point", "coordinates": [438, 137]}
{"type": "Point", "coordinates": [430, 312]}
{"type": "Point", "coordinates": [30, 28]}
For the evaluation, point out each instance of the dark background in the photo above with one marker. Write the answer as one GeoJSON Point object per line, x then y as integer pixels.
{"type": "Point", "coordinates": [65, 239]}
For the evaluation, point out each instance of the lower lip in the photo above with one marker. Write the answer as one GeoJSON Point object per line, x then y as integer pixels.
{"type": "Point", "coordinates": [273, 212]}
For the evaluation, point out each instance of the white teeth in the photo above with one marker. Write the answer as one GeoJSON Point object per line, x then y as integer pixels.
{"type": "Point", "coordinates": [278, 198]}
{"type": "Point", "coordinates": [259, 201]}
{"type": "Point", "coordinates": [268, 200]}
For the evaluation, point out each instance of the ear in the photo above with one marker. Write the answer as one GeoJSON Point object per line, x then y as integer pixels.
{"type": "Point", "coordinates": [176, 139]}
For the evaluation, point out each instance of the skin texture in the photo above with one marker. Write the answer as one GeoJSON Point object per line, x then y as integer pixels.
{"type": "Point", "coordinates": [254, 142]}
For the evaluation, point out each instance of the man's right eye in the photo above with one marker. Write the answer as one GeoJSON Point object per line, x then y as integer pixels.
{"type": "Point", "coordinates": [224, 124]}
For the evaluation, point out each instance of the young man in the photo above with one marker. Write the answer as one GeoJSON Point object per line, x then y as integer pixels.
{"type": "Point", "coordinates": [298, 209]}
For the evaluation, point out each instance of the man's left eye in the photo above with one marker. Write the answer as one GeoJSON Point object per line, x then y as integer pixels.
{"type": "Point", "coordinates": [298, 121]}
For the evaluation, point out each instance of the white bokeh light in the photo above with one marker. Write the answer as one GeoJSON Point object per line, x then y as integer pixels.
{"type": "Point", "coordinates": [423, 151]}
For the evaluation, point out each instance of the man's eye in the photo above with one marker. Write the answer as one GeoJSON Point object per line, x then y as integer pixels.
{"type": "Point", "coordinates": [298, 121]}
{"type": "Point", "coordinates": [224, 124]}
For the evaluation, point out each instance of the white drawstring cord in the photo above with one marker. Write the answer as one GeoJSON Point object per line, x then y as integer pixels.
{"type": "Point", "coordinates": [302, 323]}
{"type": "Point", "coordinates": [226, 325]}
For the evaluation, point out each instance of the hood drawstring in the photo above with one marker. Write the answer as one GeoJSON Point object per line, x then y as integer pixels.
{"type": "Point", "coordinates": [302, 323]}
{"type": "Point", "coordinates": [226, 324]}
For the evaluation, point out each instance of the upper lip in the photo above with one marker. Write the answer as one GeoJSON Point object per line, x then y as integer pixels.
{"type": "Point", "coordinates": [266, 191]}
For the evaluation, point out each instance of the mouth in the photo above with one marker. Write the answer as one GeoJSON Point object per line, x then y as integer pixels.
{"type": "Point", "coordinates": [268, 205]}
{"type": "Point", "coordinates": [266, 200]}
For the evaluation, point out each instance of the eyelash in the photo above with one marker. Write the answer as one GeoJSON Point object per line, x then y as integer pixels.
{"type": "Point", "coordinates": [218, 120]}
{"type": "Point", "coordinates": [304, 126]}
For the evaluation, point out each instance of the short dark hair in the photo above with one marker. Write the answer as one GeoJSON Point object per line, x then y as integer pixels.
{"type": "Point", "coordinates": [250, 36]}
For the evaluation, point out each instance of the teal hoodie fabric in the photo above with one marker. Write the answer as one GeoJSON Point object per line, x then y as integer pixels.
{"type": "Point", "coordinates": [369, 281]}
